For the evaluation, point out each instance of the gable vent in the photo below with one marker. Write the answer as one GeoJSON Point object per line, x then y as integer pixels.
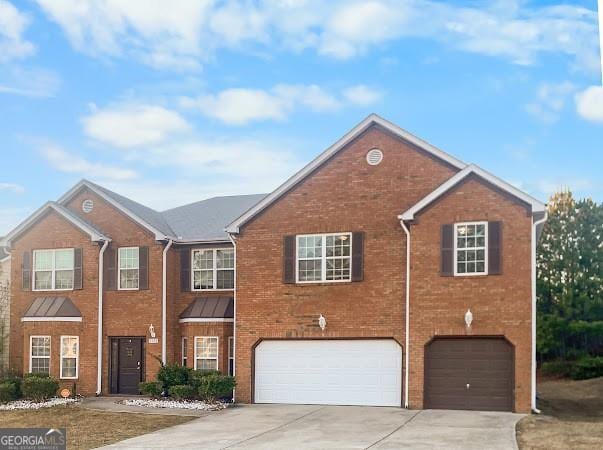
{"type": "Point", "coordinates": [374, 157]}
{"type": "Point", "coordinates": [87, 206]}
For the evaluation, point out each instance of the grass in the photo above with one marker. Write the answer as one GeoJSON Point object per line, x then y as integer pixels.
{"type": "Point", "coordinates": [572, 417]}
{"type": "Point", "coordinates": [89, 429]}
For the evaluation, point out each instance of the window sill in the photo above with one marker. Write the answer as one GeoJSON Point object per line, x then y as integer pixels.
{"type": "Point", "coordinates": [321, 283]}
{"type": "Point", "coordinates": [52, 290]}
{"type": "Point", "coordinates": [212, 290]}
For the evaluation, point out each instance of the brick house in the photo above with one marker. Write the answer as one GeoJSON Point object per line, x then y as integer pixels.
{"type": "Point", "coordinates": [386, 272]}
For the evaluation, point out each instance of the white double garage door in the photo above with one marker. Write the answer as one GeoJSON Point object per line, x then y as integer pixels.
{"type": "Point", "coordinates": [329, 372]}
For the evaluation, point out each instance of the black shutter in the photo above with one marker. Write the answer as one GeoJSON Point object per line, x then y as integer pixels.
{"type": "Point", "coordinates": [447, 251]}
{"type": "Point", "coordinates": [494, 248]}
{"type": "Point", "coordinates": [26, 271]}
{"type": "Point", "coordinates": [185, 270]}
{"type": "Point", "coordinates": [289, 259]}
{"type": "Point", "coordinates": [143, 267]}
{"type": "Point", "coordinates": [110, 269]}
{"type": "Point", "coordinates": [77, 269]}
{"type": "Point", "coordinates": [357, 256]}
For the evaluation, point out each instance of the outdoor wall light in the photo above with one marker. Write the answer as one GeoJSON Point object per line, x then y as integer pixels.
{"type": "Point", "coordinates": [322, 322]}
{"type": "Point", "coordinates": [468, 318]}
{"type": "Point", "coordinates": [152, 330]}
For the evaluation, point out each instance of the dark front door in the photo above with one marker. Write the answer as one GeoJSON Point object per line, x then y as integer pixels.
{"type": "Point", "coordinates": [126, 364]}
{"type": "Point", "coordinates": [469, 373]}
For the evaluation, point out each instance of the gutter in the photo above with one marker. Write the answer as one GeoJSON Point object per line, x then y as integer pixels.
{"type": "Point", "coordinates": [164, 303]}
{"type": "Point", "coordinates": [533, 393]}
{"type": "Point", "coordinates": [406, 314]}
{"type": "Point", "coordinates": [234, 323]}
{"type": "Point", "coordinates": [99, 361]}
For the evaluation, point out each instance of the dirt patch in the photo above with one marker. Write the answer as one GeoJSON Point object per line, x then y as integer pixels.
{"type": "Point", "coordinates": [89, 429]}
{"type": "Point", "coordinates": [572, 417]}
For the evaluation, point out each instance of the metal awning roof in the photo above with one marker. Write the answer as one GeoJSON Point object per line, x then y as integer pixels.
{"type": "Point", "coordinates": [52, 308]}
{"type": "Point", "coordinates": [209, 308]}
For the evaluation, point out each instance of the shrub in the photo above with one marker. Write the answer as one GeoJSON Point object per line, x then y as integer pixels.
{"type": "Point", "coordinates": [36, 375]}
{"type": "Point", "coordinates": [15, 380]}
{"type": "Point", "coordinates": [195, 376]}
{"type": "Point", "coordinates": [173, 374]}
{"type": "Point", "coordinates": [39, 388]}
{"type": "Point", "coordinates": [587, 367]}
{"type": "Point", "coordinates": [556, 368]}
{"type": "Point", "coordinates": [182, 392]}
{"type": "Point", "coordinates": [214, 386]}
{"type": "Point", "coordinates": [8, 392]}
{"type": "Point", "coordinates": [152, 388]}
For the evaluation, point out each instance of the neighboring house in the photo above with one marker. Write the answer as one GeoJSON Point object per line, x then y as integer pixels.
{"type": "Point", "coordinates": [4, 306]}
{"type": "Point", "coordinates": [382, 243]}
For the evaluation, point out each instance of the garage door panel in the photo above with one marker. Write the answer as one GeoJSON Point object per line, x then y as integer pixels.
{"type": "Point", "coordinates": [345, 372]}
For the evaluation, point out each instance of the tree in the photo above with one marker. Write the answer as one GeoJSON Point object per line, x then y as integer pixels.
{"type": "Point", "coordinates": [570, 279]}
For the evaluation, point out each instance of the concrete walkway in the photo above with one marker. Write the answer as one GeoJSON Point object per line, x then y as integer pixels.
{"type": "Point", "coordinates": [334, 427]}
{"type": "Point", "coordinates": [111, 404]}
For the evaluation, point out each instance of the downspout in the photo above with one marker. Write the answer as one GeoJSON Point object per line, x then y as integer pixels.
{"type": "Point", "coordinates": [533, 393]}
{"type": "Point", "coordinates": [234, 320]}
{"type": "Point", "coordinates": [99, 361]}
{"type": "Point", "coordinates": [406, 315]}
{"type": "Point", "coordinates": [164, 304]}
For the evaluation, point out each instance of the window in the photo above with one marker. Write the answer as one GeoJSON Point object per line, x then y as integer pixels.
{"type": "Point", "coordinates": [470, 255]}
{"type": "Point", "coordinates": [213, 269]}
{"type": "Point", "coordinates": [324, 257]}
{"type": "Point", "coordinates": [70, 353]}
{"type": "Point", "coordinates": [128, 268]}
{"type": "Point", "coordinates": [39, 358]}
{"type": "Point", "coordinates": [231, 356]}
{"type": "Point", "coordinates": [206, 353]}
{"type": "Point", "coordinates": [53, 269]}
{"type": "Point", "coordinates": [184, 352]}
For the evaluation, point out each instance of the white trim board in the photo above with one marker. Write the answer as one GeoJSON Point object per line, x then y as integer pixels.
{"type": "Point", "coordinates": [536, 205]}
{"type": "Point", "coordinates": [204, 320]}
{"type": "Point", "coordinates": [51, 319]}
{"type": "Point", "coordinates": [371, 120]}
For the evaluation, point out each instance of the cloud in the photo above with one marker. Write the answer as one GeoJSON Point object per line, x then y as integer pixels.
{"type": "Point", "coordinates": [589, 104]}
{"type": "Point", "coordinates": [72, 163]}
{"type": "Point", "coordinates": [550, 101]}
{"type": "Point", "coordinates": [133, 125]}
{"type": "Point", "coordinates": [32, 82]}
{"type": "Point", "coordinates": [12, 27]}
{"type": "Point", "coordinates": [16, 188]}
{"type": "Point", "coordinates": [240, 106]}
{"type": "Point", "coordinates": [183, 34]}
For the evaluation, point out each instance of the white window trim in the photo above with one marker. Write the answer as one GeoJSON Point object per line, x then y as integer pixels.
{"type": "Point", "coordinates": [184, 350]}
{"type": "Point", "coordinates": [214, 269]}
{"type": "Point", "coordinates": [119, 269]}
{"type": "Point", "coordinates": [474, 274]}
{"type": "Point", "coordinates": [231, 356]}
{"type": "Point", "coordinates": [52, 271]}
{"type": "Point", "coordinates": [217, 358]}
{"type": "Point", "coordinates": [323, 267]}
{"type": "Point", "coordinates": [31, 338]}
{"type": "Point", "coordinates": [77, 359]}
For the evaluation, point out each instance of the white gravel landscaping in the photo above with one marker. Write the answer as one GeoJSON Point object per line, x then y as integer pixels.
{"type": "Point", "coordinates": [190, 404]}
{"type": "Point", "coordinates": [28, 404]}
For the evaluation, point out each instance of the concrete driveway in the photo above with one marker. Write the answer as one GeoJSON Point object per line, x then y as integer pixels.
{"type": "Point", "coordinates": [334, 427]}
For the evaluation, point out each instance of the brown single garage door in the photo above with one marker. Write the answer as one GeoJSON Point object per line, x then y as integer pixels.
{"type": "Point", "coordinates": [469, 373]}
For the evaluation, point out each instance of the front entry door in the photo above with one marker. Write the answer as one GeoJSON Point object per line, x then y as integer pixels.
{"type": "Point", "coordinates": [126, 364]}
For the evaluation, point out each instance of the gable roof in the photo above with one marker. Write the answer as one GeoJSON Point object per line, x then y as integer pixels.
{"type": "Point", "coordinates": [535, 205]}
{"type": "Point", "coordinates": [371, 120]}
{"type": "Point", "coordinates": [4, 252]}
{"type": "Point", "coordinates": [205, 220]}
{"type": "Point", "coordinates": [94, 233]}
{"type": "Point", "coordinates": [143, 215]}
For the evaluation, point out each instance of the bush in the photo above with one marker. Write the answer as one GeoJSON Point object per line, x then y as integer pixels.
{"type": "Point", "coordinates": [39, 388]}
{"type": "Point", "coordinates": [36, 375]}
{"type": "Point", "coordinates": [173, 374]}
{"type": "Point", "coordinates": [586, 367]}
{"type": "Point", "coordinates": [13, 379]}
{"type": "Point", "coordinates": [195, 376]}
{"type": "Point", "coordinates": [214, 386]}
{"type": "Point", "coordinates": [556, 368]}
{"type": "Point", "coordinates": [152, 388]}
{"type": "Point", "coordinates": [8, 392]}
{"type": "Point", "coordinates": [183, 392]}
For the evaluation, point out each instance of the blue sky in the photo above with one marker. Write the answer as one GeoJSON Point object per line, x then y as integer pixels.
{"type": "Point", "coordinates": [172, 102]}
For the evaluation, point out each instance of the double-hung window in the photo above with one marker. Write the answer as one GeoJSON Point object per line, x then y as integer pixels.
{"type": "Point", "coordinates": [129, 271]}
{"type": "Point", "coordinates": [70, 353]}
{"type": "Point", "coordinates": [213, 269]}
{"type": "Point", "coordinates": [231, 356]}
{"type": "Point", "coordinates": [324, 257]}
{"type": "Point", "coordinates": [470, 248]}
{"type": "Point", "coordinates": [39, 356]}
{"type": "Point", "coordinates": [53, 269]}
{"type": "Point", "coordinates": [206, 353]}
